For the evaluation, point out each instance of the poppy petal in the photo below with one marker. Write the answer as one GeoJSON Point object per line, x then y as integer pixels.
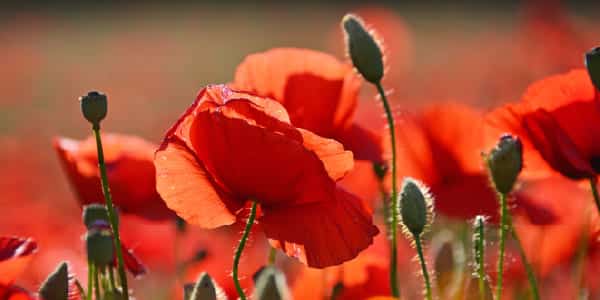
{"type": "Point", "coordinates": [555, 146]}
{"type": "Point", "coordinates": [15, 254]}
{"type": "Point", "coordinates": [273, 165]}
{"type": "Point", "coordinates": [321, 234]}
{"type": "Point", "coordinates": [318, 91]}
{"type": "Point", "coordinates": [337, 161]}
{"type": "Point", "coordinates": [364, 144]}
{"type": "Point", "coordinates": [182, 181]}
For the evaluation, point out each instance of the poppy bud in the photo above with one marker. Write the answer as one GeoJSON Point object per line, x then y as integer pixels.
{"type": "Point", "coordinates": [56, 286]}
{"type": "Point", "coordinates": [203, 289]}
{"type": "Point", "coordinates": [505, 162]}
{"type": "Point", "coordinates": [271, 285]}
{"type": "Point", "coordinates": [94, 107]}
{"type": "Point", "coordinates": [94, 214]}
{"type": "Point", "coordinates": [416, 206]}
{"type": "Point", "coordinates": [363, 49]}
{"type": "Point", "coordinates": [592, 62]}
{"type": "Point", "coordinates": [100, 249]}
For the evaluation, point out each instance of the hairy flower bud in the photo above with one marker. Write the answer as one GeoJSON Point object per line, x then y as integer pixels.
{"type": "Point", "coordinates": [505, 162]}
{"type": "Point", "coordinates": [592, 62]}
{"type": "Point", "coordinates": [56, 286]}
{"type": "Point", "coordinates": [94, 107]}
{"type": "Point", "coordinates": [204, 289]}
{"type": "Point", "coordinates": [363, 49]}
{"type": "Point", "coordinates": [271, 285]}
{"type": "Point", "coordinates": [416, 206]}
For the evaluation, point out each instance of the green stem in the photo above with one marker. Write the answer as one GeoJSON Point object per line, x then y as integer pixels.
{"type": "Point", "coordinates": [503, 227]}
{"type": "Point", "coordinates": [240, 248]}
{"type": "Point", "coordinates": [479, 256]}
{"type": "Point", "coordinates": [272, 255]}
{"type": "Point", "coordinates": [394, 196]}
{"type": "Point", "coordinates": [111, 277]}
{"type": "Point", "coordinates": [423, 268]}
{"type": "Point", "coordinates": [595, 192]}
{"type": "Point", "coordinates": [111, 212]}
{"type": "Point", "coordinates": [90, 280]}
{"type": "Point", "coordinates": [528, 268]}
{"type": "Point", "coordinates": [97, 283]}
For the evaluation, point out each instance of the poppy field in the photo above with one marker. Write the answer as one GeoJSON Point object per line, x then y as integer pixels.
{"type": "Point", "coordinates": [300, 151]}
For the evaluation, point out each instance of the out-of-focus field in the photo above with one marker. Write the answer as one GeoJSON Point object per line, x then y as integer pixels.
{"type": "Point", "coordinates": [152, 59]}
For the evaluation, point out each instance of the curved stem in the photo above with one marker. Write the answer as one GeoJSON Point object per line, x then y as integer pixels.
{"type": "Point", "coordinates": [240, 248]}
{"type": "Point", "coordinates": [528, 268]}
{"type": "Point", "coordinates": [503, 227]}
{"type": "Point", "coordinates": [394, 196]}
{"type": "Point", "coordinates": [114, 224]}
{"type": "Point", "coordinates": [595, 192]}
{"type": "Point", "coordinates": [423, 268]}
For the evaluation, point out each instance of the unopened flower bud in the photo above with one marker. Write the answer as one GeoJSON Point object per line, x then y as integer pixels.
{"type": "Point", "coordinates": [363, 49]}
{"type": "Point", "coordinates": [56, 286]}
{"type": "Point", "coordinates": [416, 206]}
{"type": "Point", "coordinates": [204, 289]}
{"type": "Point", "coordinates": [94, 107]}
{"type": "Point", "coordinates": [100, 248]}
{"type": "Point", "coordinates": [505, 162]}
{"type": "Point", "coordinates": [271, 285]}
{"type": "Point", "coordinates": [592, 62]}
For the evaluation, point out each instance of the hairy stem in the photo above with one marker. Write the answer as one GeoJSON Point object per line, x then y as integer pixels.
{"type": "Point", "coordinates": [393, 197]}
{"type": "Point", "coordinates": [503, 228]}
{"type": "Point", "coordinates": [423, 268]}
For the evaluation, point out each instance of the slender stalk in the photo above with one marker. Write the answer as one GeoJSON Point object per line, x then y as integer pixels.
{"type": "Point", "coordinates": [393, 198]}
{"type": "Point", "coordinates": [80, 289]}
{"type": "Point", "coordinates": [595, 192]}
{"type": "Point", "coordinates": [479, 257]}
{"type": "Point", "coordinates": [503, 228]}
{"type": "Point", "coordinates": [528, 268]}
{"type": "Point", "coordinates": [423, 268]}
{"type": "Point", "coordinates": [240, 248]}
{"type": "Point", "coordinates": [272, 255]}
{"type": "Point", "coordinates": [90, 280]}
{"type": "Point", "coordinates": [111, 212]}
{"type": "Point", "coordinates": [111, 277]}
{"type": "Point", "coordinates": [97, 283]}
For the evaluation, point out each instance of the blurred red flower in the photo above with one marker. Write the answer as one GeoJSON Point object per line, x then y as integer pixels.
{"type": "Point", "coordinates": [256, 154]}
{"type": "Point", "coordinates": [131, 174]}
{"type": "Point", "coordinates": [319, 92]}
{"type": "Point", "coordinates": [15, 255]}
{"type": "Point", "coordinates": [442, 146]}
{"type": "Point", "coordinates": [559, 116]}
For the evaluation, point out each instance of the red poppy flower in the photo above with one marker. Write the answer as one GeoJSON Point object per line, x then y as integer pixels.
{"type": "Point", "coordinates": [15, 255]}
{"type": "Point", "coordinates": [231, 147]}
{"type": "Point", "coordinates": [560, 117]}
{"type": "Point", "coordinates": [549, 244]}
{"type": "Point", "coordinates": [319, 92]}
{"type": "Point", "coordinates": [442, 147]}
{"type": "Point", "coordinates": [131, 174]}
